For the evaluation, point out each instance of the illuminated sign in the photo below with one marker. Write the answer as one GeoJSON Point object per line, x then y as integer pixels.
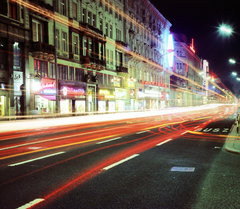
{"type": "Point", "coordinates": [105, 94]}
{"type": "Point", "coordinates": [192, 47]}
{"type": "Point", "coordinates": [44, 85]}
{"type": "Point", "coordinates": [73, 91]}
{"type": "Point", "coordinates": [170, 50]}
{"type": "Point", "coordinates": [120, 93]}
{"type": "Point", "coordinates": [116, 82]}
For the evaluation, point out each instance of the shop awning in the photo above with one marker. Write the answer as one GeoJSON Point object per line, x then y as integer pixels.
{"type": "Point", "coordinates": [49, 97]}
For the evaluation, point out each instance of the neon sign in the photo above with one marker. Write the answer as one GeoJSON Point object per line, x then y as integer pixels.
{"type": "Point", "coordinates": [192, 47]}
{"type": "Point", "coordinates": [170, 50]}
{"type": "Point", "coordinates": [73, 91]}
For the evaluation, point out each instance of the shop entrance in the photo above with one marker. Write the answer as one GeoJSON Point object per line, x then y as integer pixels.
{"type": "Point", "coordinates": [91, 98]}
{"type": "Point", "coordinates": [2, 105]}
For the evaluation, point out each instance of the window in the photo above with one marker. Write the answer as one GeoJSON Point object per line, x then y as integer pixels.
{"type": "Point", "coordinates": [89, 18]}
{"type": "Point", "coordinates": [52, 70]}
{"type": "Point", "coordinates": [16, 56]}
{"type": "Point", "coordinates": [116, 12]}
{"type": "Point", "coordinates": [36, 31]}
{"type": "Point", "coordinates": [110, 30]}
{"type": "Point", "coordinates": [106, 5]}
{"type": "Point", "coordinates": [75, 44]}
{"type": "Point", "coordinates": [120, 14]}
{"type": "Point", "coordinates": [83, 16]}
{"type": "Point", "coordinates": [106, 29]}
{"type": "Point", "coordinates": [111, 57]}
{"type": "Point", "coordinates": [41, 68]}
{"type": "Point", "coordinates": [74, 8]}
{"type": "Point", "coordinates": [84, 46]}
{"type": "Point", "coordinates": [57, 40]}
{"type": "Point", "coordinates": [79, 74]}
{"type": "Point", "coordinates": [107, 56]}
{"type": "Point", "coordinates": [130, 3]}
{"type": "Point", "coordinates": [13, 10]}
{"type": "Point", "coordinates": [110, 8]}
{"type": "Point", "coordinates": [64, 41]}
{"type": "Point", "coordinates": [94, 20]}
{"type": "Point", "coordinates": [90, 47]}
{"type": "Point", "coordinates": [71, 73]}
{"type": "Point", "coordinates": [63, 7]}
{"type": "Point", "coordinates": [118, 35]}
{"type": "Point", "coordinates": [63, 72]}
{"type": "Point", "coordinates": [101, 24]}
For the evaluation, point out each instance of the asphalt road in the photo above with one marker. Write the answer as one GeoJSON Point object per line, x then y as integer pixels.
{"type": "Point", "coordinates": [174, 162]}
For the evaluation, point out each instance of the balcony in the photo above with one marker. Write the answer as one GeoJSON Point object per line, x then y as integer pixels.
{"type": "Point", "coordinates": [122, 44]}
{"type": "Point", "coordinates": [93, 62]}
{"type": "Point", "coordinates": [122, 71]}
{"type": "Point", "coordinates": [93, 28]}
{"type": "Point", "coordinates": [42, 51]}
{"type": "Point", "coordinates": [42, 4]}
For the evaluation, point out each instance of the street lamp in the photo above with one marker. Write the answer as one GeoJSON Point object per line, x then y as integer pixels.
{"type": "Point", "coordinates": [226, 29]}
{"type": "Point", "coordinates": [234, 73]}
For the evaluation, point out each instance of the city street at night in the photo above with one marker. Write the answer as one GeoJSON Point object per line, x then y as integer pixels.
{"type": "Point", "coordinates": [165, 161]}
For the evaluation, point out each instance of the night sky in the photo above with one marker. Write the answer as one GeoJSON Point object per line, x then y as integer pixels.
{"type": "Point", "coordinates": [200, 20]}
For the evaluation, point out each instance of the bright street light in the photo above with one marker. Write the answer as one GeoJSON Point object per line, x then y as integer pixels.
{"type": "Point", "coordinates": [232, 61]}
{"type": "Point", "coordinates": [234, 73]}
{"type": "Point", "coordinates": [226, 29]}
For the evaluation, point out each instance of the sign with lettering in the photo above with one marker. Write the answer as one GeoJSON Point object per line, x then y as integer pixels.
{"type": "Point", "coordinates": [73, 92]}
{"type": "Point", "coordinates": [47, 86]}
{"type": "Point", "coordinates": [120, 93]}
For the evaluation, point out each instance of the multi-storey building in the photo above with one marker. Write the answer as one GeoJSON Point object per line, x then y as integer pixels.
{"type": "Point", "coordinates": [76, 56]}
{"type": "Point", "coordinates": [187, 79]}
{"type": "Point", "coordinates": [147, 33]}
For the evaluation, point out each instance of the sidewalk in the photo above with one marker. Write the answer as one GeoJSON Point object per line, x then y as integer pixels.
{"type": "Point", "coordinates": [232, 143]}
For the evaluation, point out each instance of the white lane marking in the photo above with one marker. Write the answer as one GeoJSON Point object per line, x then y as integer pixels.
{"type": "Point", "coordinates": [38, 158]}
{"type": "Point", "coordinates": [183, 133]}
{"type": "Point", "coordinates": [119, 162]}
{"type": "Point", "coordinates": [30, 204]}
{"type": "Point", "coordinates": [142, 132]}
{"type": "Point", "coordinates": [164, 142]}
{"type": "Point", "coordinates": [183, 169]}
{"type": "Point", "coordinates": [109, 140]}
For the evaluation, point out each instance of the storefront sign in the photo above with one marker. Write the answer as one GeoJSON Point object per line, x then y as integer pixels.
{"type": "Point", "coordinates": [3, 76]}
{"type": "Point", "coordinates": [73, 92]}
{"type": "Point", "coordinates": [120, 93]}
{"type": "Point", "coordinates": [47, 86]}
{"type": "Point", "coordinates": [152, 93]}
{"type": "Point", "coordinates": [17, 80]}
{"type": "Point", "coordinates": [106, 94]}
{"type": "Point", "coordinates": [132, 92]}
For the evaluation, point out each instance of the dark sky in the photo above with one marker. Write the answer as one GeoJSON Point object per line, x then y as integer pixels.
{"type": "Point", "coordinates": [200, 20]}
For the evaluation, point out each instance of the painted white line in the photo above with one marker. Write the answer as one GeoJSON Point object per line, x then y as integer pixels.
{"type": "Point", "coordinates": [183, 133]}
{"type": "Point", "coordinates": [30, 204]}
{"type": "Point", "coordinates": [121, 161]}
{"type": "Point", "coordinates": [142, 132]}
{"type": "Point", "coordinates": [183, 169]}
{"type": "Point", "coordinates": [164, 142]}
{"type": "Point", "coordinates": [109, 140]}
{"type": "Point", "coordinates": [38, 158]}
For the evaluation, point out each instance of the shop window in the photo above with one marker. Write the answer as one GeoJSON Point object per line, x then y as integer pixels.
{"type": "Point", "coordinates": [13, 10]}
{"type": "Point", "coordinates": [36, 31]}
{"type": "Point", "coordinates": [71, 73]}
{"type": "Point", "coordinates": [79, 74]}
{"type": "Point", "coordinates": [41, 68]}
{"type": "Point", "coordinates": [74, 8]}
{"type": "Point", "coordinates": [3, 55]}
